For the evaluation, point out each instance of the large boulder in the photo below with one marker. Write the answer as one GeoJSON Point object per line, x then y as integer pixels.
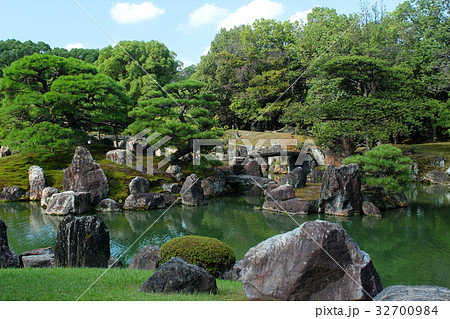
{"type": "Point", "coordinates": [139, 184]}
{"type": "Point", "coordinates": [86, 175]}
{"type": "Point", "coordinates": [46, 194]}
{"type": "Point", "coordinates": [414, 293]}
{"type": "Point", "coordinates": [280, 193]}
{"type": "Point", "coordinates": [8, 259]}
{"type": "Point", "coordinates": [178, 276]}
{"type": "Point", "coordinates": [296, 178]}
{"type": "Point", "coordinates": [341, 191]}
{"type": "Point", "coordinates": [108, 205]}
{"type": "Point", "coordinates": [146, 259]}
{"type": "Point", "coordinates": [144, 201]}
{"type": "Point", "coordinates": [253, 168]}
{"type": "Point", "coordinates": [36, 178]}
{"type": "Point", "coordinates": [10, 193]}
{"type": "Point", "coordinates": [39, 261]}
{"type": "Point", "coordinates": [82, 242]}
{"type": "Point", "coordinates": [316, 261]}
{"type": "Point", "coordinates": [437, 177]}
{"type": "Point", "coordinates": [120, 156]}
{"type": "Point", "coordinates": [215, 185]}
{"type": "Point", "coordinates": [66, 203]}
{"type": "Point", "coordinates": [192, 192]}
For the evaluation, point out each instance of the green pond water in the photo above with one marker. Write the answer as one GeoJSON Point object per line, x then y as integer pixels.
{"type": "Point", "coordinates": [408, 246]}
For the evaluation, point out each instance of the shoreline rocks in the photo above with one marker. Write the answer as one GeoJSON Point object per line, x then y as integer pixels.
{"type": "Point", "coordinates": [144, 201]}
{"type": "Point", "coordinates": [192, 193]}
{"type": "Point", "coordinates": [36, 179]}
{"type": "Point", "coordinates": [10, 193]}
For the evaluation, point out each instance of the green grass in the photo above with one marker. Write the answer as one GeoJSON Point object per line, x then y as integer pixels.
{"type": "Point", "coordinates": [14, 170]}
{"type": "Point", "coordinates": [55, 284]}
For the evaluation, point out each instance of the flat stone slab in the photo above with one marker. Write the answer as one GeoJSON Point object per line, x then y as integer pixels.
{"type": "Point", "coordinates": [413, 293]}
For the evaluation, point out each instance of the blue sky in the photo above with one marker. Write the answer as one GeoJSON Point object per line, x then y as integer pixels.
{"type": "Point", "coordinates": [185, 27]}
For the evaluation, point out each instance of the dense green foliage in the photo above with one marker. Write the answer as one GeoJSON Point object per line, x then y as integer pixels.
{"type": "Point", "coordinates": [210, 253]}
{"type": "Point", "coordinates": [384, 165]}
{"type": "Point", "coordinates": [68, 284]}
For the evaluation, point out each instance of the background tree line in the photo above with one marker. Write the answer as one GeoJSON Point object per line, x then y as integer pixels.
{"type": "Point", "coordinates": [345, 79]}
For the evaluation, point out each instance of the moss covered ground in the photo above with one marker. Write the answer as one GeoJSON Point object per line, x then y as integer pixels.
{"type": "Point", "coordinates": [68, 284]}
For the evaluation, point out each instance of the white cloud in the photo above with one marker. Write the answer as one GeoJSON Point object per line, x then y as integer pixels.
{"type": "Point", "coordinates": [71, 46]}
{"type": "Point", "coordinates": [256, 9]}
{"type": "Point", "coordinates": [300, 15]}
{"type": "Point", "coordinates": [206, 14]}
{"type": "Point", "coordinates": [132, 13]}
{"type": "Point", "coordinates": [208, 48]}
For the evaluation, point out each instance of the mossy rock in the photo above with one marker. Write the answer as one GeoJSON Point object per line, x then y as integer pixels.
{"type": "Point", "coordinates": [210, 253]}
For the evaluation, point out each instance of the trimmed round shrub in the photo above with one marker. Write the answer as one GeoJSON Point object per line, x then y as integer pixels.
{"type": "Point", "coordinates": [212, 254]}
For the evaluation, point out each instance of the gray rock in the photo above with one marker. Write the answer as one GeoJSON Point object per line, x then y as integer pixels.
{"type": "Point", "coordinates": [85, 175]}
{"type": "Point", "coordinates": [82, 242]}
{"type": "Point", "coordinates": [8, 259]}
{"type": "Point", "coordinates": [438, 161]}
{"type": "Point", "coordinates": [36, 178]}
{"type": "Point", "coordinates": [47, 194]}
{"type": "Point", "coordinates": [174, 188]}
{"type": "Point", "coordinates": [215, 185]}
{"type": "Point", "coordinates": [144, 201]}
{"type": "Point", "coordinates": [170, 198]}
{"type": "Point", "coordinates": [139, 184]}
{"type": "Point", "coordinates": [176, 275]}
{"type": "Point", "coordinates": [146, 259]}
{"type": "Point", "coordinates": [173, 169]}
{"type": "Point", "coordinates": [10, 193]}
{"type": "Point", "coordinates": [294, 206]}
{"type": "Point", "coordinates": [66, 203]}
{"type": "Point", "coordinates": [296, 178]}
{"type": "Point", "coordinates": [297, 266]}
{"type": "Point", "coordinates": [341, 191]}
{"type": "Point", "coordinates": [36, 252]}
{"type": "Point", "coordinates": [108, 205]}
{"type": "Point", "coordinates": [437, 177]}
{"type": "Point", "coordinates": [413, 293]}
{"type": "Point", "coordinates": [369, 209]}
{"type": "Point", "coordinates": [238, 182]}
{"type": "Point", "coordinates": [192, 192]}
{"type": "Point", "coordinates": [253, 168]}
{"type": "Point", "coordinates": [120, 156]}
{"type": "Point", "coordinates": [234, 274]}
{"type": "Point", "coordinates": [39, 261]}
{"type": "Point", "coordinates": [4, 151]}
{"type": "Point", "coordinates": [280, 193]}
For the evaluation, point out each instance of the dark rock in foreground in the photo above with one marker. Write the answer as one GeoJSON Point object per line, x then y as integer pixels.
{"type": "Point", "coordinates": [147, 258]}
{"type": "Point", "coordinates": [414, 293]}
{"type": "Point", "coordinates": [85, 175]}
{"type": "Point", "coordinates": [82, 242]}
{"type": "Point", "coordinates": [341, 191]}
{"type": "Point", "coordinates": [176, 275]}
{"type": "Point", "coordinates": [192, 192]}
{"type": "Point", "coordinates": [8, 259]}
{"type": "Point", "coordinates": [36, 178]}
{"type": "Point", "coordinates": [297, 266]}
{"type": "Point", "coordinates": [10, 193]}
{"type": "Point", "coordinates": [144, 201]}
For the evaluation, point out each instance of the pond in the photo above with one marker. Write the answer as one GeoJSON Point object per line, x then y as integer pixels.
{"type": "Point", "coordinates": [408, 246]}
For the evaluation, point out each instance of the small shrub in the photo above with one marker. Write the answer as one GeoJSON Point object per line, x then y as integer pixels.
{"type": "Point", "coordinates": [210, 253]}
{"type": "Point", "coordinates": [385, 166]}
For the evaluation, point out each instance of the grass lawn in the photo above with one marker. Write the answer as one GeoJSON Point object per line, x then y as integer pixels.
{"type": "Point", "coordinates": [68, 284]}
